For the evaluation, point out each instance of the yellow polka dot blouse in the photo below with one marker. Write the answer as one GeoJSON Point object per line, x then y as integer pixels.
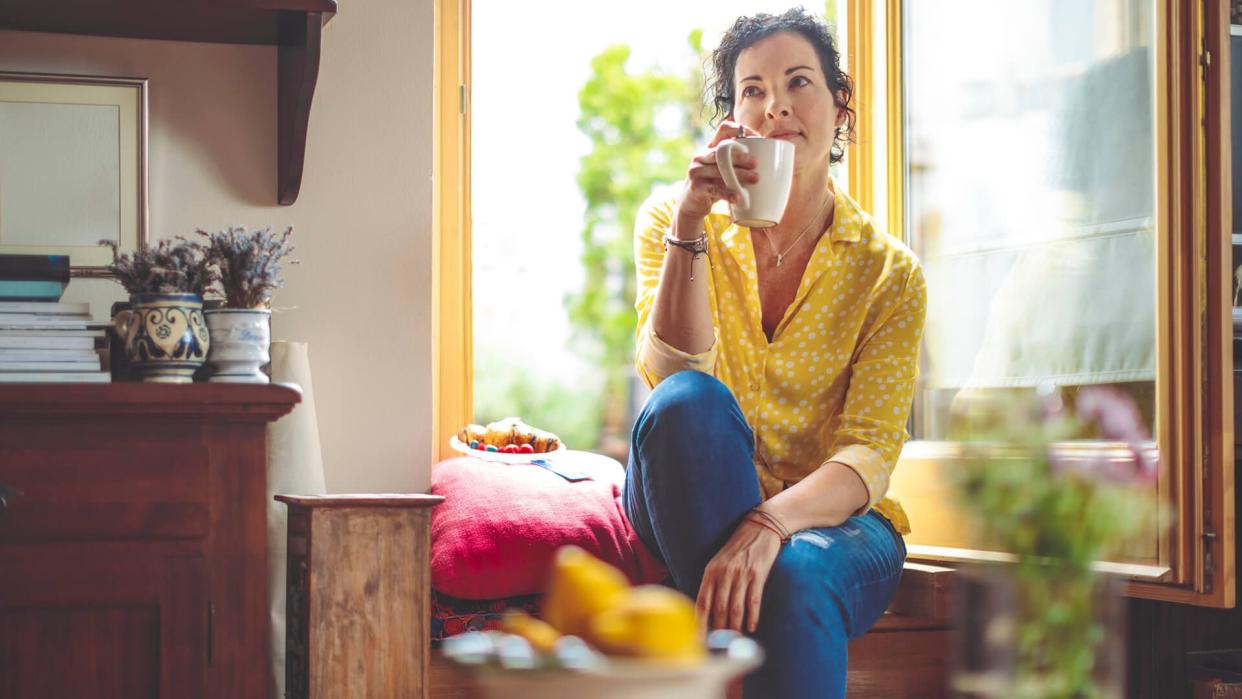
{"type": "Point", "coordinates": [836, 382]}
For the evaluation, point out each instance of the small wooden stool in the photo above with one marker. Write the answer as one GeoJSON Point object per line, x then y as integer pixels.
{"type": "Point", "coordinates": [357, 613]}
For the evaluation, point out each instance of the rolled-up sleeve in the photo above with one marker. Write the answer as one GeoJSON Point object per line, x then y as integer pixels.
{"type": "Point", "coordinates": [655, 359]}
{"type": "Point", "coordinates": [871, 430]}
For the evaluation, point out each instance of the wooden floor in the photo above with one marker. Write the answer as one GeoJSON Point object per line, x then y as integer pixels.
{"type": "Point", "coordinates": [902, 657]}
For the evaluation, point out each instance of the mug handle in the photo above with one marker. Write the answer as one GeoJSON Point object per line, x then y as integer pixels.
{"type": "Point", "coordinates": [724, 160]}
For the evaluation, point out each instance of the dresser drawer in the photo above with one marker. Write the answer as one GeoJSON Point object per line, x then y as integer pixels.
{"type": "Point", "coordinates": [81, 482]}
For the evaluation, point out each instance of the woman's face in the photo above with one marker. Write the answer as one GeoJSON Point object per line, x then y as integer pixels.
{"type": "Point", "coordinates": [781, 92]}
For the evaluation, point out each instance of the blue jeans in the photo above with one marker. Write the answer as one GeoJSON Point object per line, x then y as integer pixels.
{"type": "Point", "coordinates": [691, 478]}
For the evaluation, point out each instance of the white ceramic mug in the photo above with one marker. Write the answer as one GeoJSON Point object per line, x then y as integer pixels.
{"type": "Point", "coordinates": [759, 205]}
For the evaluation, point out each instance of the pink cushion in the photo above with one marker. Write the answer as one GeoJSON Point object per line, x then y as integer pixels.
{"type": "Point", "coordinates": [500, 524]}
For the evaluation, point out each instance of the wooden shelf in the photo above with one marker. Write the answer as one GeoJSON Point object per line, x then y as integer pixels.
{"type": "Point", "coordinates": [292, 25]}
{"type": "Point", "coordinates": [223, 402]}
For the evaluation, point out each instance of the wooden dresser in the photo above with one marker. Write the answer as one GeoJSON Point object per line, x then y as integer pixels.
{"type": "Point", "coordinates": [133, 563]}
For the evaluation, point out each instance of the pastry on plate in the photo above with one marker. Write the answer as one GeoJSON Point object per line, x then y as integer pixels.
{"type": "Point", "coordinates": [509, 435]}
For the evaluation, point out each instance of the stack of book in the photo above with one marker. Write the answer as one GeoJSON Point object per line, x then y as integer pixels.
{"type": "Point", "coordinates": [43, 340]}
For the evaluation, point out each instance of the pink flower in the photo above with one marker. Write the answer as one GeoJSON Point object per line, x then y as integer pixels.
{"type": "Point", "coordinates": [1113, 412]}
{"type": "Point", "coordinates": [1118, 419]}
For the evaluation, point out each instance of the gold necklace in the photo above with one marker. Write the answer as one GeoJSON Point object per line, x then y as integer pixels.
{"type": "Point", "coordinates": [780, 256]}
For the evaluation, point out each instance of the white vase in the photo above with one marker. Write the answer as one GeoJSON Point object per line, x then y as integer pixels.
{"type": "Point", "coordinates": [240, 342]}
{"type": "Point", "coordinates": [294, 465]}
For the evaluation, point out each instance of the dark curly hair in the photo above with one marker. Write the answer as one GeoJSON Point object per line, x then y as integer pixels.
{"type": "Point", "coordinates": [748, 31]}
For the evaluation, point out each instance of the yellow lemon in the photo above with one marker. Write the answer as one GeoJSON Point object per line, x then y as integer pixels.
{"type": "Point", "coordinates": [650, 622]}
{"type": "Point", "coordinates": [542, 635]}
{"type": "Point", "coordinates": [580, 587]}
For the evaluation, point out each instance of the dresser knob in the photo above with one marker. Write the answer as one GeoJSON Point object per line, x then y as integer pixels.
{"type": "Point", "coordinates": [7, 493]}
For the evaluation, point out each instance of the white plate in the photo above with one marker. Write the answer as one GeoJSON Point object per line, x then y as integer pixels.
{"type": "Point", "coordinates": [457, 444]}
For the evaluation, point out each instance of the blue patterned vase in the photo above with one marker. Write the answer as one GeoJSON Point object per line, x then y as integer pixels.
{"type": "Point", "coordinates": [164, 336]}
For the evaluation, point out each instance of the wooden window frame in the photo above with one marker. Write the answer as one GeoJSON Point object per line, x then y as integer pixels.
{"type": "Point", "coordinates": [452, 309]}
{"type": "Point", "coordinates": [1195, 374]}
{"type": "Point", "coordinates": [1194, 329]}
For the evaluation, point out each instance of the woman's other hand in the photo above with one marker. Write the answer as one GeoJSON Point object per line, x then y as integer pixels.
{"type": "Point", "coordinates": [704, 185]}
{"type": "Point", "coordinates": [732, 587]}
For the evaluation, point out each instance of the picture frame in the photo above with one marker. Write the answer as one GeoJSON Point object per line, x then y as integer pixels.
{"type": "Point", "coordinates": [73, 166]}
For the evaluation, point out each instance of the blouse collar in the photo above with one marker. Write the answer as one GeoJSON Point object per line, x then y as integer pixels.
{"type": "Point", "coordinates": [847, 222]}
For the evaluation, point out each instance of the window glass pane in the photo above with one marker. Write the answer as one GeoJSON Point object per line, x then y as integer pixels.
{"type": "Point", "coordinates": [1030, 180]}
{"type": "Point", "coordinates": [569, 136]}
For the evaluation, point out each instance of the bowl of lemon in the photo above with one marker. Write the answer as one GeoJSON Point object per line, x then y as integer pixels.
{"type": "Point", "coordinates": [601, 638]}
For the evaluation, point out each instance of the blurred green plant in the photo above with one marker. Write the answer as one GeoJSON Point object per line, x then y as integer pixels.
{"type": "Point", "coordinates": [642, 127]}
{"type": "Point", "coordinates": [570, 408]}
{"type": "Point", "coordinates": [1032, 490]}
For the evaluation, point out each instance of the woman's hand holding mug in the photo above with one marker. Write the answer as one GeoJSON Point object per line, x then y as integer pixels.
{"type": "Point", "coordinates": [731, 168]}
{"type": "Point", "coordinates": [705, 184]}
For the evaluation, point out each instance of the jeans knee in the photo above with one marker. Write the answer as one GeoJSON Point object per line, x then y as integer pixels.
{"type": "Point", "coordinates": [688, 399]}
{"type": "Point", "coordinates": [692, 429]}
{"type": "Point", "coordinates": [794, 574]}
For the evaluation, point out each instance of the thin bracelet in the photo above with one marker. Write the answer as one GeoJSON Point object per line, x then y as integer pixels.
{"type": "Point", "coordinates": [769, 527]}
{"type": "Point", "coordinates": [771, 519]}
{"type": "Point", "coordinates": [697, 247]}
{"type": "Point", "coordinates": [765, 525]}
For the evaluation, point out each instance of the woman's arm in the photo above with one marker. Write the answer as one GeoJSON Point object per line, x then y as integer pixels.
{"type": "Point", "coordinates": [826, 498]}
{"type": "Point", "coordinates": [681, 316]}
{"type": "Point", "coordinates": [872, 427]}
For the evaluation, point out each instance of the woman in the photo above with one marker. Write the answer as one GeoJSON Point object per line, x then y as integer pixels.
{"type": "Point", "coordinates": [783, 368]}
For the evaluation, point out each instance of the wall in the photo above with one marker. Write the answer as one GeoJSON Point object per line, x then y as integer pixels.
{"type": "Point", "coordinates": [362, 295]}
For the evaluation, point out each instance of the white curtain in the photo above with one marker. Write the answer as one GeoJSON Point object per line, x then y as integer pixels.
{"type": "Point", "coordinates": [1031, 182]}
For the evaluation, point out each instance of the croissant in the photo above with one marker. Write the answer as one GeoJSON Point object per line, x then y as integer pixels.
{"type": "Point", "coordinates": [545, 442]}
{"type": "Point", "coordinates": [523, 434]}
{"type": "Point", "coordinates": [501, 432]}
{"type": "Point", "coordinates": [471, 433]}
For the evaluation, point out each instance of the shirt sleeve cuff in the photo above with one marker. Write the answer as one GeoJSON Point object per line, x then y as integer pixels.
{"type": "Point", "coordinates": [661, 360]}
{"type": "Point", "coordinates": [870, 466]}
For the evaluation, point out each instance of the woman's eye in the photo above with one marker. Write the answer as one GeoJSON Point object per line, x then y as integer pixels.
{"type": "Point", "coordinates": [799, 81]}
{"type": "Point", "coordinates": [750, 91]}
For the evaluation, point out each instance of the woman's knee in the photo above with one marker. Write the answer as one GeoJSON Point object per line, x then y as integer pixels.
{"type": "Point", "coordinates": [797, 572]}
{"type": "Point", "coordinates": [689, 399]}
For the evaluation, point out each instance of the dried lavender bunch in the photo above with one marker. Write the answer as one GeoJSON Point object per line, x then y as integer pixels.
{"type": "Point", "coordinates": [167, 268]}
{"type": "Point", "coordinates": [248, 263]}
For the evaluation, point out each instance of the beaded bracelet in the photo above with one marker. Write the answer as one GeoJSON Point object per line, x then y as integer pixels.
{"type": "Point", "coordinates": [697, 247]}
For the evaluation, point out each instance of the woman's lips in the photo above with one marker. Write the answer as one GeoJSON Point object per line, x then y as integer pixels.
{"type": "Point", "coordinates": [783, 134]}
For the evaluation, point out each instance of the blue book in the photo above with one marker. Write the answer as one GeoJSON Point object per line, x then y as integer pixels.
{"type": "Point", "coordinates": [30, 290]}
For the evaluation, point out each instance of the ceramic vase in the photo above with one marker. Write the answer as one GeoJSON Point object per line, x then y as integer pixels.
{"type": "Point", "coordinates": [240, 344]}
{"type": "Point", "coordinates": [164, 336]}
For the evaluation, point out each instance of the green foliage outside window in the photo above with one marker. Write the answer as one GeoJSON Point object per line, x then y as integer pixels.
{"type": "Point", "coordinates": [636, 145]}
